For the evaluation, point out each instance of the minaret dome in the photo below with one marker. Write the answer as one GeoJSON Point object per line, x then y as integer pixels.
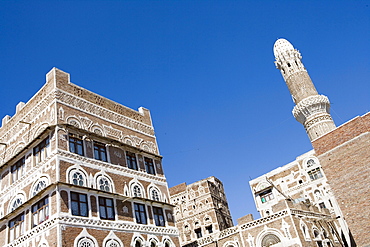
{"type": "Point", "coordinates": [281, 46]}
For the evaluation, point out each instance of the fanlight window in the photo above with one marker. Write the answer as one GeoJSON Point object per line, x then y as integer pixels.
{"type": "Point", "coordinates": [270, 240]}
{"type": "Point", "coordinates": [39, 186]}
{"type": "Point", "coordinates": [310, 162]}
{"type": "Point", "coordinates": [104, 184]}
{"type": "Point", "coordinates": [112, 243]}
{"type": "Point", "coordinates": [78, 178]}
{"type": "Point", "coordinates": [136, 191]}
{"type": "Point", "coordinates": [155, 195]}
{"type": "Point", "coordinates": [85, 242]}
{"type": "Point", "coordinates": [17, 202]}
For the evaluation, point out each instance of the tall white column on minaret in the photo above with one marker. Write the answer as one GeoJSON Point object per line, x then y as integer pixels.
{"type": "Point", "coordinates": [312, 110]}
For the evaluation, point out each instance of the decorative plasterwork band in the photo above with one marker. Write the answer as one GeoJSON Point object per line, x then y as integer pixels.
{"type": "Point", "coordinates": [96, 223]}
{"type": "Point", "coordinates": [117, 226]}
{"type": "Point", "coordinates": [263, 220]}
{"type": "Point", "coordinates": [103, 113]}
{"type": "Point", "coordinates": [325, 117]}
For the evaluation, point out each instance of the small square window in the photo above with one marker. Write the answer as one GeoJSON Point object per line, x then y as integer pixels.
{"type": "Point", "coordinates": [198, 232]}
{"type": "Point", "coordinates": [266, 196]}
{"type": "Point", "coordinates": [209, 229]}
{"type": "Point", "coordinates": [158, 216]}
{"type": "Point", "coordinates": [79, 204]}
{"type": "Point", "coordinates": [131, 160]}
{"type": "Point", "coordinates": [41, 151]}
{"type": "Point", "coordinates": [315, 174]}
{"type": "Point", "coordinates": [140, 213]}
{"type": "Point", "coordinates": [149, 166]}
{"type": "Point", "coordinates": [40, 211]}
{"type": "Point", "coordinates": [76, 144]}
{"type": "Point", "coordinates": [16, 227]}
{"type": "Point", "coordinates": [106, 208]}
{"type": "Point", "coordinates": [17, 169]}
{"type": "Point", "coordinates": [100, 152]}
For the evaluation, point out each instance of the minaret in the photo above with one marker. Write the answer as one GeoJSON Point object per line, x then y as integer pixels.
{"type": "Point", "coordinates": [312, 110]}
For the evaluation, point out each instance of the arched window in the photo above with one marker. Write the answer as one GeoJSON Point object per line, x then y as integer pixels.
{"type": "Point", "coordinates": [77, 178]}
{"type": "Point", "coordinates": [167, 244]}
{"type": "Point", "coordinates": [153, 244]}
{"type": "Point", "coordinates": [269, 240]}
{"type": "Point", "coordinates": [85, 242]}
{"type": "Point", "coordinates": [155, 195]}
{"type": "Point", "coordinates": [17, 202]}
{"type": "Point", "coordinates": [136, 191]}
{"type": "Point", "coordinates": [317, 194]}
{"type": "Point", "coordinates": [310, 162]}
{"type": "Point", "coordinates": [39, 186]}
{"type": "Point", "coordinates": [104, 184]}
{"type": "Point", "coordinates": [112, 243]}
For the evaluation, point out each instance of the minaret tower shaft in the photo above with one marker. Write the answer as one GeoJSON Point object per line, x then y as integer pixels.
{"type": "Point", "coordinates": [312, 110]}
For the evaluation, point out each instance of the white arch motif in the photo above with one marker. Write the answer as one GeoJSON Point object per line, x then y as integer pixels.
{"type": "Point", "coordinates": [18, 148]}
{"type": "Point", "coordinates": [310, 162]}
{"type": "Point", "coordinates": [103, 182]}
{"type": "Point", "coordinates": [270, 231]}
{"type": "Point", "coordinates": [262, 185]}
{"type": "Point", "coordinates": [230, 244]}
{"type": "Point", "coordinates": [153, 241]}
{"type": "Point", "coordinates": [167, 242]}
{"type": "Point", "coordinates": [154, 193]}
{"type": "Point", "coordinates": [77, 176]}
{"type": "Point", "coordinates": [305, 230]}
{"type": "Point", "coordinates": [43, 243]}
{"type": "Point", "coordinates": [134, 184]}
{"type": "Point", "coordinates": [111, 240]}
{"type": "Point", "coordinates": [40, 129]}
{"type": "Point", "coordinates": [73, 120]}
{"type": "Point", "coordinates": [97, 130]}
{"type": "Point", "coordinates": [17, 200]}
{"type": "Point", "coordinates": [137, 238]}
{"type": "Point", "coordinates": [84, 239]}
{"type": "Point", "coordinates": [39, 185]}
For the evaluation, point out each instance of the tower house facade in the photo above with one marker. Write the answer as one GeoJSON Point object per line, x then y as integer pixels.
{"type": "Point", "coordinates": [201, 209]}
{"type": "Point", "coordinates": [311, 109]}
{"type": "Point", "coordinates": [80, 170]}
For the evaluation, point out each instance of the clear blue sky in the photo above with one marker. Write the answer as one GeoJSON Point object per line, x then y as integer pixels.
{"type": "Point", "coordinates": [205, 69]}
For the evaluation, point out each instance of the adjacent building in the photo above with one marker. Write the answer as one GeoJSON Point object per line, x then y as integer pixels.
{"type": "Point", "coordinates": [201, 209]}
{"type": "Point", "coordinates": [300, 181]}
{"type": "Point", "coordinates": [80, 170]}
{"type": "Point", "coordinates": [295, 202]}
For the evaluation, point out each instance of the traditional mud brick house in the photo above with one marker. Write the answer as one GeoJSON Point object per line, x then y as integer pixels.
{"type": "Point", "coordinates": [79, 170]}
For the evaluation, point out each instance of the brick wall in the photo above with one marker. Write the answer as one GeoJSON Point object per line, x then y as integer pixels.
{"type": "Point", "coordinates": [345, 157]}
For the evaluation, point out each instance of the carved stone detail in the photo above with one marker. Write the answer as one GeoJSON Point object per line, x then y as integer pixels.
{"type": "Point", "coordinates": [96, 110]}
{"type": "Point", "coordinates": [309, 106]}
{"type": "Point", "coordinates": [112, 132]}
{"type": "Point", "coordinates": [86, 122]}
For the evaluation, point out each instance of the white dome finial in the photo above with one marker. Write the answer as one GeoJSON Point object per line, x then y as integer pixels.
{"type": "Point", "coordinates": [281, 46]}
